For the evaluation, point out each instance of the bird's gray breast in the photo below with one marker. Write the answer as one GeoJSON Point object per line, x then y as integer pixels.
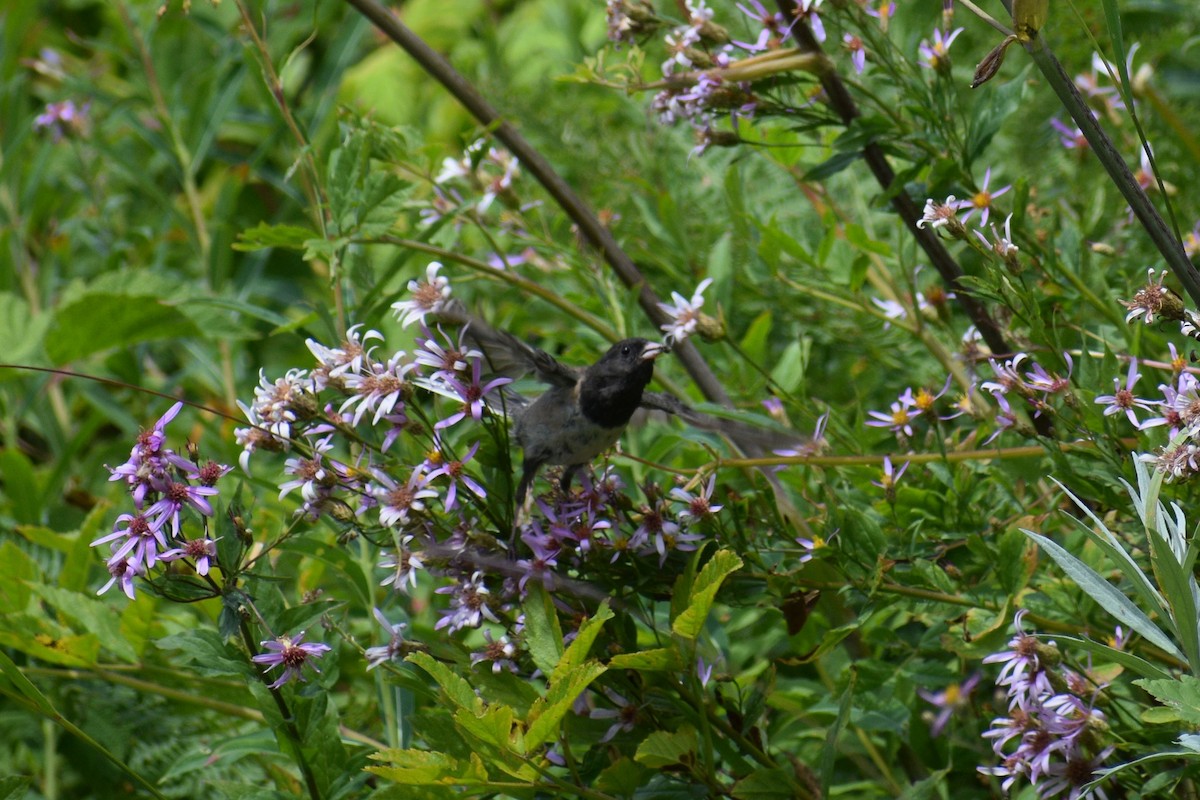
{"type": "Point", "coordinates": [553, 430]}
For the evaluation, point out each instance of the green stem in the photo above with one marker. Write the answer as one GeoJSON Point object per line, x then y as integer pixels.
{"type": "Point", "coordinates": [1164, 240]}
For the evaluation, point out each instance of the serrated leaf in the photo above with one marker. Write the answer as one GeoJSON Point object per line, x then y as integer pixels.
{"type": "Point", "coordinates": [264, 235]}
{"type": "Point", "coordinates": [1105, 594]}
{"type": "Point", "coordinates": [543, 634]}
{"type": "Point", "coordinates": [707, 583]}
{"type": "Point", "coordinates": [426, 768]}
{"type": "Point", "coordinates": [209, 655]}
{"type": "Point", "coordinates": [87, 614]}
{"type": "Point", "coordinates": [25, 686]}
{"type": "Point", "coordinates": [99, 321]}
{"type": "Point", "coordinates": [664, 748]}
{"type": "Point", "coordinates": [577, 653]}
{"type": "Point", "coordinates": [548, 712]}
{"type": "Point", "coordinates": [1181, 695]}
{"type": "Point", "coordinates": [662, 658]}
{"type": "Point", "coordinates": [455, 688]}
{"type": "Point", "coordinates": [766, 784]}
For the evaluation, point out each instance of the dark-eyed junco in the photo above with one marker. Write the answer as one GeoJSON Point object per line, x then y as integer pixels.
{"type": "Point", "coordinates": [585, 410]}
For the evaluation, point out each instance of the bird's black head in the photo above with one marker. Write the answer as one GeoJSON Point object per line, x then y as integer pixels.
{"type": "Point", "coordinates": [612, 387]}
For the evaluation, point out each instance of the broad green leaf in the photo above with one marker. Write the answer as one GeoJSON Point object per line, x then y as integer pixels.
{"type": "Point", "coordinates": [1106, 595]}
{"type": "Point", "coordinates": [665, 748]}
{"type": "Point", "coordinates": [21, 331]}
{"type": "Point", "coordinates": [662, 658]}
{"type": "Point", "coordinates": [20, 486]}
{"type": "Point", "coordinates": [264, 235]}
{"type": "Point", "coordinates": [100, 321]}
{"type": "Point", "coordinates": [208, 654]}
{"type": "Point", "coordinates": [691, 621]}
{"type": "Point", "coordinates": [1181, 695]}
{"type": "Point", "coordinates": [87, 614]}
{"type": "Point", "coordinates": [766, 784]}
{"type": "Point", "coordinates": [543, 634]}
{"type": "Point", "coordinates": [547, 713]}
{"type": "Point", "coordinates": [577, 653]}
{"type": "Point", "coordinates": [456, 689]}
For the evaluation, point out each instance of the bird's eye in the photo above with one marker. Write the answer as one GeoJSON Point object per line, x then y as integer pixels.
{"type": "Point", "coordinates": [625, 350]}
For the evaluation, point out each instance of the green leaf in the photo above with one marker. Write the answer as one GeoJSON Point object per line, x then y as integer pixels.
{"type": "Point", "coordinates": [830, 751]}
{"type": "Point", "coordinates": [691, 621]}
{"type": "Point", "coordinates": [21, 331]}
{"type": "Point", "coordinates": [25, 687]}
{"type": "Point", "coordinates": [1181, 695]}
{"type": "Point", "coordinates": [543, 634]}
{"type": "Point", "coordinates": [209, 656]}
{"type": "Point", "coordinates": [577, 653]}
{"type": "Point", "coordinates": [263, 235]}
{"type": "Point", "coordinates": [662, 658]}
{"type": "Point", "coordinates": [88, 615]}
{"type": "Point", "coordinates": [1128, 660]}
{"type": "Point", "coordinates": [548, 712]}
{"type": "Point", "coordinates": [766, 784]}
{"type": "Point", "coordinates": [429, 768]}
{"type": "Point", "coordinates": [789, 371]}
{"type": "Point", "coordinates": [456, 689]}
{"type": "Point", "coordinates": [21, 486]}
{"type": "Point", "coordinates": [1105, 594]}
{"type": "Point", "coordinates": [99, 321]}
{"type": "Point", "coordinates": [665, 748]}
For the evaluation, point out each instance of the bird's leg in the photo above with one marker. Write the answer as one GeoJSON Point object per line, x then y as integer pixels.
{"type": "Point", "coordinates": [569, 472]}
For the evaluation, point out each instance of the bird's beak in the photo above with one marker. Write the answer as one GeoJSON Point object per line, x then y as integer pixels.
{"type": "Point", "coordinates": [653, 350]}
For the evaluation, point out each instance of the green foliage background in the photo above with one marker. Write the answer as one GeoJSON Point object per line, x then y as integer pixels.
{"type": "Point", "coordinates": [133, 251]}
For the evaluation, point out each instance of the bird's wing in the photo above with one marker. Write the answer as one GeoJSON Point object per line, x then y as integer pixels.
{"type": "Point", "coordinates": [750, 439]}
{"type": "Point", "coordinates": [506, 354]}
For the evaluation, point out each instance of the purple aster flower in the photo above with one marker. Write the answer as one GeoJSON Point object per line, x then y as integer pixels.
{"type": "Point", "coordinates": [471, 394]}
{"type": "Point", "coordinates": [954, 697]}
{"type": "Point", "coordinates": [1005, 418]}
{"type": "Point", "coordinates": [380, 388]}
{"type": "Point", "coordinates": [334, 362]}
{"type": "Point", "coordinates": [543, 558]}
{"type": "Point", "coordinates": [310, 475]}
{"type": "Point", "coordinates": [935, 55]}
{"type": "Point", "coordinates": [1008, 376]}
{"type": "Point", "coordinates": [941, 215]}
{"type": "Point", "coordinates": [398, 500]}
{"type": "Point", "coordinates": [890, 478]}
{"type": "Point", "coordinates": [390, 651]}
{"type": "Point", "coordinates": [63, 118]}
{"type": "Point", "coordinates": [501, 653]}
{"type": "Point", "coordinates": [624, 716]}
{"type": "Point", "coordinates": [292, 655]}
{"type": "Point", "coordinates": [468, 605]}
{"type": "Point", "coordinates": [432, 294]}
{"type": "Point", "coordinates": [176, 497]}
{"type": "Point", "coordinates": [858, 53]}
{"type": "Point", "coordinates": [1041, 381]}
{"type": "Point", "coordinates": [982, 200]}
{"type": "Point", "coordinates": [809, 547]}
{"type": "Point", "coordinates": [455, 471]}
{"type": "Point", "coordinates": [699, 504]}
{"type": "Point", "coordinates": [684, 313]}
{"type": "Point", "coordinates": [774, 28]}
{"type": "Point", "coordinates": [403, 565]}
{"type": "Point", "coordinates": [1123, 399]}
{"type": "Point", "coordinates": [201, 551]}
{"type": "Point", "coordinates": [447, 360]}
{"type": "Point", "coordinates": [1070, 138]}
{"type": "Point", "coordinates": [136, 538]}
{"type": "Point", "coordinates": [898, 420]}
{"type": "Point", "coordinates": [123, 571]}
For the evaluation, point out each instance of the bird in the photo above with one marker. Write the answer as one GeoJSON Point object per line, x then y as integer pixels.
{"type": "Point", "coordinates": [585, 410]}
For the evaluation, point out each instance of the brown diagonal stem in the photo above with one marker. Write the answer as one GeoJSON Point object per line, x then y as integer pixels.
{"type": "Point", "coordinates": [589, 225]}
{"type": "Point", "coordinates": [845, 107]}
